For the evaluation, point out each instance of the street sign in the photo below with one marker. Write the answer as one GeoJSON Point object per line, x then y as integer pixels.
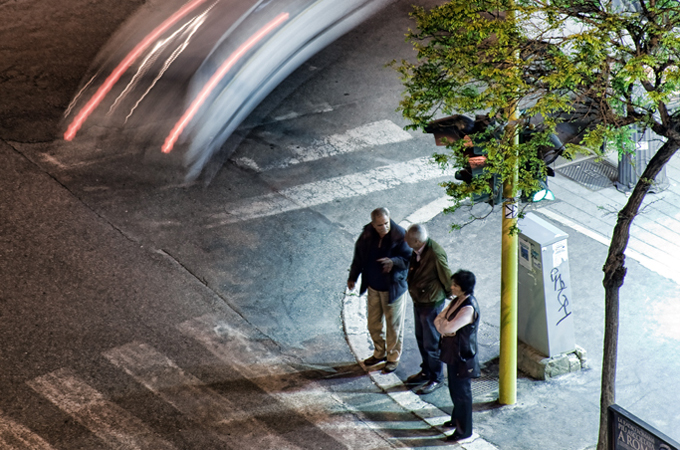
{"type": "Point", "coordinates": [628, 432]}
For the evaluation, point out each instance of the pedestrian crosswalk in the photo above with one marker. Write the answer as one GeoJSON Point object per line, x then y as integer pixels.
{"type": "Point", "coordinates": [309, 415]}
{"type": "Point", "coordinates": [326, 191]}
{"type": "Point", "coordinates": [654, 233]}
{"type": "Point", "coordinates": [285, 408]}
{"type": "Point", "coordinates": [116, 427]}
{"type": "Point", "coordinates": [305, 410]}
{"type": "Point", "coordinates": [373, 134]}
{"type": "Point", "coordinates": [17, 437]}
{"type": "Point", "coordinates": [265, 367]}
{"type": "Point", "coordinates": [186, 393]}
{"type": "Point", "coordinates": [295, 193]}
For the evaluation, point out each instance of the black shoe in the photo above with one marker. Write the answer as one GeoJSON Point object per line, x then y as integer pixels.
{"type": "Point", "coordinates": [428, 387]}
{"type": "Point", "coordinates": [372, 361]}
{"type": "Point", "coordinates": [456, 436]}
{"type": "Point", "coordinates": [390, 367]}
{"type": "Point", "coordinates": [418, 378]}
{"type": "Point", "coordinates": [449, 424]}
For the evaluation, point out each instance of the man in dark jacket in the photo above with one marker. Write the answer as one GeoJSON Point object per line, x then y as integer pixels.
{"type": "Point", "coordinates": [381, 258]}
{"type": "Point", "coordinates": [429, 285]}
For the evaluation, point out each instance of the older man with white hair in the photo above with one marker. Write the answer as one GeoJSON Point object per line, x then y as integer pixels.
{"type": "Point", "coordinates": [429, 284]}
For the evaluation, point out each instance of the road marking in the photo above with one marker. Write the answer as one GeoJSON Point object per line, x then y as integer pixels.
{"type": "Point", "coordinates": [265, 367]}
{"type": "Point", "coordinates": [190, 396]}
{"type": "Point", "coordinates": [356, 330]}
{"type": "Point", "coordinates": [427, 212]}
{"type": "Point", "coordinates": [661, 263]}
{"type": "Point", "coordinates": [18, 437]}
{"type": "Point", "coordinates": [365, 136]}
{"type": "Point", "coordinates": [108, 421]}
{"type": "Point", "coordinates": [667, 269]}
{"type": "Point", "coordinates": [52, 160]}
{"type": "Point", "coordinates": [323, 107]}
{"type": "Point", "coordinates": [326, 191]}
{"type": "Point", "coordinates": [370, 135]}
{"type": "Point", "coordinates": [71, 156]}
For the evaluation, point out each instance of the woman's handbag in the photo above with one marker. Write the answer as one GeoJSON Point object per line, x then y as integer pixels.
{"type": "Point", "coordinates": [448, 349]}
{"type": "Point", "coordinates": [459, 353]}
{"type": "Point", "coordinates": [450, 355]}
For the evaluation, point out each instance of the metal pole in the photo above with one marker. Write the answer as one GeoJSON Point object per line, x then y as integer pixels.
{"type": "Point", "coordinates": [507, 382]}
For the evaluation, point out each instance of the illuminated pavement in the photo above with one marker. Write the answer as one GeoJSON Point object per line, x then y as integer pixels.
{"type": "Point", "coordinates": [142, 312]}
{"type": "Point", "coordinates": [135, 317]}
{"type": "Point", "coordinates": [562, 413]}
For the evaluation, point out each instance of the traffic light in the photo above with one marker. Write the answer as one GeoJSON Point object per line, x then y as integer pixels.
{"type": "Point", "coordinates": [475, 167]}
{"type": "Point", "coordinates": [454, 128]}
{"type": "Point", "coordinates": [543, 193]}
{"type": "Point", "coordinates": [457, 127]}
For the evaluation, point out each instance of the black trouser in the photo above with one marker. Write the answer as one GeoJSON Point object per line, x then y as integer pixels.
{"type": "Point", "coordinates": [427, 338]}
{"type": "Point", "coordinates": [461, 396]}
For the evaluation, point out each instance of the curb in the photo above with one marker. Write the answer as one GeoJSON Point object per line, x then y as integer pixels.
{"type": "Point", "coordinates": [356, 333]}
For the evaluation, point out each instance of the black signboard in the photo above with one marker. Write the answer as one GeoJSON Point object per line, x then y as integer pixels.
{"type": "Point", "coordinates": [627, 432]}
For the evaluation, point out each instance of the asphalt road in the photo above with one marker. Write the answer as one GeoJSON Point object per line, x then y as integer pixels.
{"type": "Point", "coordinates": [138, 311]}
{"type": "Point", "coordinates": [108, 260]}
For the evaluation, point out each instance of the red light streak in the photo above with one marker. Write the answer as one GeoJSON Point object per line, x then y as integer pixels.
{"type": "Point", "coordinates": [124, 65]}
{"type": "Point", "coordinates": [215, 79]}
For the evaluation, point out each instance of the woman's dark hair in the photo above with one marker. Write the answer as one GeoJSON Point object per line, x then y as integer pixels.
{"type": "Point", "coordinates": [465, 280]}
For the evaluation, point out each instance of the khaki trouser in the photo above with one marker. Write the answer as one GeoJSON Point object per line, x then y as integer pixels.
{"type": "Point", "coordinates": [386, 324]}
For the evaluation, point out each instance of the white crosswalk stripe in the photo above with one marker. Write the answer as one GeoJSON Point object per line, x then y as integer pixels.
{"type": "Point", "coordinates": [326, 191]}
{"type": "Point", "coordinates": [190, 396]}
{"type": "Point", "coordinates": [370, 135]}
{"type": "Point", "coordinates": [283, 383]}
{"type": "Point", "coordinates": [109, 422]}
{"type": "Point", "coordinates": [17, 437]}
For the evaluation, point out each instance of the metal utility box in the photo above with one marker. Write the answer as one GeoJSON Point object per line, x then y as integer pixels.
{"type": "Point", "coordinates": [630, 167]}
{"type": "Point", "coordinates": [544, 317]}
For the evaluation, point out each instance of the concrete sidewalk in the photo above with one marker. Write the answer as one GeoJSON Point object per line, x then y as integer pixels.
{"type": "Point", "coordinates": [563, 413]}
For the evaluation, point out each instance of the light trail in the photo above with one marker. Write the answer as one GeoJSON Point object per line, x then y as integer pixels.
{"type": "Point", "coordinates": [192, 26]}
{"type": "Point", "coordinates": [79, 94]}
{"type": "Point", "coordinates": [168, 62]}
{"type": "Point", "coordinates": [124, 65]}
{"type": "Point", "coordinates": [215, 79]}
{"type": "Point", "coordinates": [144, 67]}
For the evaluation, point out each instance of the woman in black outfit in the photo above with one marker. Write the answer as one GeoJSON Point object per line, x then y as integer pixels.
{"type": "Point", "coordinates": [458, 324]}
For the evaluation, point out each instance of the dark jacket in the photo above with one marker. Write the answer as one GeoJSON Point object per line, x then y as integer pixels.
{"type": "Point", "coordinates": [460, 351]}
{"type": "Point", "coordinates": [429, 280]}
{"type": "Point", "coordinates": [399, 252]}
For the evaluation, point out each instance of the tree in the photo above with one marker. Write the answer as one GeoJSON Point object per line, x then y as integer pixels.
{"type": "Point", "coordinates": [592, 67]}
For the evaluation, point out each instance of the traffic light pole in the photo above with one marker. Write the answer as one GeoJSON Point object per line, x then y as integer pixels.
{"type": "Point", "coordinates": [507, 384]}
{"type": "Point", "coordinates": [507, 377]}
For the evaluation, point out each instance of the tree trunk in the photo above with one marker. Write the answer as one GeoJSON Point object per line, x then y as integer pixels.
{"type": "Point", "coordinates": [614, 273]}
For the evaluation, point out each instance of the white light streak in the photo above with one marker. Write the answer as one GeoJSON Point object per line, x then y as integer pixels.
{"type": "Point", "coordinates": [187, 31]}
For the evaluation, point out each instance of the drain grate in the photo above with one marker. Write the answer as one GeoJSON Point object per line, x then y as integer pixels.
{"type": "Point", "coordinates": [593, 175]}
{"type": "Point", "coordinates": [484, 386]}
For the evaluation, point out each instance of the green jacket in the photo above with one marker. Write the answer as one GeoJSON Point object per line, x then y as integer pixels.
{"type": "Point", "coordinates": [429, 280]}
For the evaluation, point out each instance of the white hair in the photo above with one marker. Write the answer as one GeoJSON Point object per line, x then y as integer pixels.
{"type": "Point", "coordinates": [417, 232]}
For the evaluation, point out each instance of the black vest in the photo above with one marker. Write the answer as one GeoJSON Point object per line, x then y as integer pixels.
{"type": "Point", "coordinates": [459, 352]}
